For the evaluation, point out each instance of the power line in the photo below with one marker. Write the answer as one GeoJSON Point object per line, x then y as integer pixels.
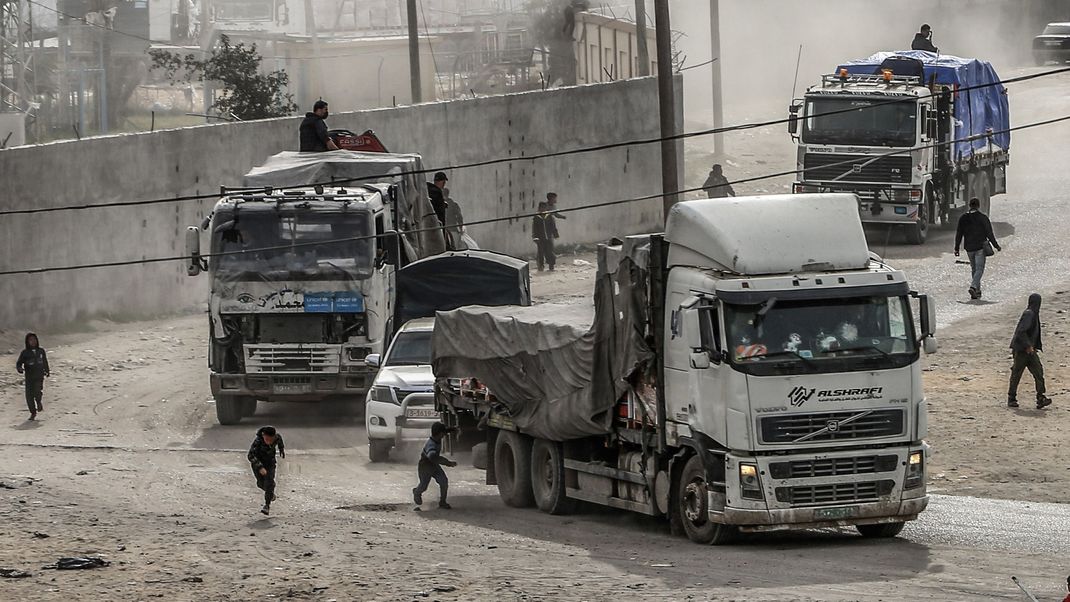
{"type": "Point", "coordinates": [500, 160]}
{"type": "Point", "coordinates": [519, 215]}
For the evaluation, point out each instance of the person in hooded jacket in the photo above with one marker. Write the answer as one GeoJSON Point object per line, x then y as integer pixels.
{"type": "Point", "coordinates": [1025, 347]}
{"type": "Point", "coordinates": [262, 459]}
{"type": "Point", "coordinates": [313, 130]}
{"type": "Point", "coordinates": [33, 363]}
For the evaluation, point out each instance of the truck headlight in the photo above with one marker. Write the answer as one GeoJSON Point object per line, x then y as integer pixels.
{"type": "Point", "coordinates": [383, 394]}
{"type": "Point", "coordinates": [915, 470]}
{"type": "Point", "coordinates": [749, 484]}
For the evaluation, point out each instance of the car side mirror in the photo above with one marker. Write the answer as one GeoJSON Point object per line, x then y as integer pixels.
{"type": "Point", "coordinates": [372, 360]}
{"type": "Point", "coordinates": [193, 251]}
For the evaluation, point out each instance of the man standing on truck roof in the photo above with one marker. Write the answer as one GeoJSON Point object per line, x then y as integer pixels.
{"type": "Point", "coordinates": [1026, 346]}
{"type": "Point", "coordinates": [975, 229]}
{"type": "Point", "coordinates": [430, 467]}
{"type": "Point", "coordinates": [313, 130]}
{"type": "Point", "coordinates": [923, 40]}
{"type": "Point", "coordinates": [438, 200]}
{"type": "Point", "coordinates": [716, 185]}
{"type": "Point", "coordinates": [454, 223]}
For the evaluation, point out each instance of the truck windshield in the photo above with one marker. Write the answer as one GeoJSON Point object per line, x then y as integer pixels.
{"type": "Point", "coordinates": [865, 122]}
{"type": "Point", "coordinates": [411, 348]}
{"type": "Point", "coordinates": [271, 246]}
{"type": "Point", "coordinates": [824, 335]}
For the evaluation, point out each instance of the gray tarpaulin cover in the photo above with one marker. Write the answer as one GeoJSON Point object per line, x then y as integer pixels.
{"type": "Point", "coordinates": [558, 369]}
{"type": "Point", "coordinates": [291, 168]}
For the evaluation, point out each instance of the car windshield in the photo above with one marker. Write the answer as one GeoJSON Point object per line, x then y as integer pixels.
{"type": "Point", "coordinates": [860, 121]}
{"type": "Point", "coordinates": [270, 246]}
{"type": "Point", "coordinates": [821, 335]}
{"type": "Point", "coordinates": [1057, 30]}
{"type": "Point", "coordinates": [410, 349]}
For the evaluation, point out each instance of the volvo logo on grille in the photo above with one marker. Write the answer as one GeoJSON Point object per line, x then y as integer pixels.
{"type": "Point", "coordinates": [833, 426]}
{"type": "Point", "coordinates": [800, 395]}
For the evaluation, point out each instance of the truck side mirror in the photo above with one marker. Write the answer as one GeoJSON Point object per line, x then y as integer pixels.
{"type": "Point", "coordinates": [793, 119]}
{"type": "Point", "coordinates": [928, 316]}
{"type": "Point", "coordinates": [193, 251]}
{"type": "Point", "coordinates": [929, 345]}
{"type": "Point", "coordinates": [390, 244]}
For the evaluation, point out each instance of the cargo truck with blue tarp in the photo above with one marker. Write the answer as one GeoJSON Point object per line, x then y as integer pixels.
{"type": "Point", "coordinates": [914, 134]}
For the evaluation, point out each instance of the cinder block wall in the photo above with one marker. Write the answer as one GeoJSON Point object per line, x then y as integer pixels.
{"type": "Point", "coordinates": [197, 160]}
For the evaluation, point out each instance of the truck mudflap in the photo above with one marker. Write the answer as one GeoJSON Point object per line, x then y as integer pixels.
{"type": "Point", "coordinates": [874, 513]}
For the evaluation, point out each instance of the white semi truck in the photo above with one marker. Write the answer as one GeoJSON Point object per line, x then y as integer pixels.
{"type": "Point", "coordinates": [302, 279]}
{"type": "Point", "coordinates": [914, 134]}
{"type": "Point", "coordinates": [754, 368]}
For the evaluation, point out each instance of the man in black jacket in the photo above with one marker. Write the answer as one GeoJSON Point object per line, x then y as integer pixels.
{"type": "Point", "coordinates": [1025, 348]}
{"type": "Point", "coordinates": [313, 130]}
{"type": "Point", "coordinates": [33, 363]}
{"type": "Point", "coordinates": [976, 229]}
{"type": "Point", "coordinates": [262, 459]}
{"type": "Point", "coordinates": [430, 467]}
{"type": "Point", "coordinates": [541, 233]}
{"type": "Point", "coordinates": [923, 40]}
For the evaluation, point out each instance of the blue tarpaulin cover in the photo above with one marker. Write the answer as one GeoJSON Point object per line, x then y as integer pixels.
{"type": "Point", "coordinates": [976, 110]}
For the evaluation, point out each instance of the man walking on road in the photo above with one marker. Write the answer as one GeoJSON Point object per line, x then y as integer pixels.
{"type": "Point", "coordinates": [33, 363]}
{"type": "Point", "coordinates": [262, 459]}
{"type": "Point", "coordinates": [430, 467]}
{"type": "Point", "coordinates": [716, 185]}
{"type": "Point", "coordinates": [1025, 349]}
{"type": "Point", "coordinates": [975, 230]}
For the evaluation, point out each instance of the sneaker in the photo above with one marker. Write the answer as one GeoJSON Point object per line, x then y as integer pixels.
{"type": "Point", "coordinates": [40, 408]}
{"type": "Point", "coordinates": [1043, 402]}
{"type": "Point", "coordinates": [445, 505]}
{"type": "Point", "coordinates": [973, 293]}
{"type": "Point", "coordinates": [33, 416]}
{"type": "Point", "coordinates": [417, 509]}
{"type": "Point", "coordinates": [1012, 403]}
{"type": "Point", "coordinates": [266, 510]}
{"type": "Point", "coordinates": [417, 497]}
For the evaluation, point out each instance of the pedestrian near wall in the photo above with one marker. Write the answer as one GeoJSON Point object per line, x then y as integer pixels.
{"type": "Point", "coordinates": [1026, 346]}
{"type": "Point", "coordinates": [974, 234]}
{"type": "Point", "coordinates": [553, 216]}
{"type": "Point", "coordinates": [544, 244]}
{"type": "Point", "coordinates": [33, 364]}
{"type": "Point", "coordinates": [262, 460]}
{"type": "Point", "coordinates": [430, 467]}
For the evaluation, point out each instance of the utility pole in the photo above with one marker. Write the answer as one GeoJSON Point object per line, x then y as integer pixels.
{"type": "Point", "coordinates": [670, 180]}
{"type": "Point", "coordinates": [317, 70]}
{"type": "Point", "coordinates": [640, 38]}
{"type": "Point", "coordinates": [414, 52]}
{"type": "Point", "coordinates": [715, 53]}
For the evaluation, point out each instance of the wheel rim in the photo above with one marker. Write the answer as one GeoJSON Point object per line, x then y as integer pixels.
{"type": "Point", "coordinates": [695, 502]}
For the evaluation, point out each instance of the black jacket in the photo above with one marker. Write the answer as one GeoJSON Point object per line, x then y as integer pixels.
{"type": "Point", "coordinates": [975, 228]}
{"type": "Point", "coordinates": [717, 186]}
{"type": "Point", "coordinates": [1027, 334]}
{"type": "Point", "coordinates": [33, 360]}
{"type": "Point", "coordinates": [923, 43]}
{"type": "Point", "coordinates": [540, 227]}
{"type": "Point", "coordinates": [262, 455]}
{"type": "Point", "coordinates": [438, 202]}
{"type": "Point", "coordinates": [313, 134]}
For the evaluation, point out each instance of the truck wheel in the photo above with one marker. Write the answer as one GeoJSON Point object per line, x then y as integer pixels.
{"type": "Point", "coordinates": [248, 406]}
{"type": "Point", "coordinates": [880, 531]}
{"type": "Point", "coordinates": [512, 469]}
{"type": "Point", "coordinates": [916, 233]}
{"type": "Point", "coordinates": [548, 477]}
{"type": "Point", "coordinates": [379, 449]}
{"type": "Point", "coordinates": [692, 499]}
{"type": "Point", "coordinates": [228, 409]}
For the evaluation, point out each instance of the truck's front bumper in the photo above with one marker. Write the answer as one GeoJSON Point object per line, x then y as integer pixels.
{"type": "Point", "coordinates": [299, 386]}
{"type": "Point", "coordinates": [809, 518]}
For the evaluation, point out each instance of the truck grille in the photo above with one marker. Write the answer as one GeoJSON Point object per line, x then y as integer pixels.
{"type": "Point", "coordinates": [822, 167]}
{"type": "Point", "coordinates": [291, 358]}
{"type": "Point", "coordinates": [832, 426]}
{"type": "Point", "coordinates": [834, 493]}
{"type": "Point", "coordinates": [832, 467]}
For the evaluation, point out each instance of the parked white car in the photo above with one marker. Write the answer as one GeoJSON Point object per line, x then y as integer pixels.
{"type": "Point", "coordinates": [400, 405]}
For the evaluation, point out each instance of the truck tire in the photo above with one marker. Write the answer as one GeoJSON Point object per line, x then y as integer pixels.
{"type": "Point", "coordinates": [512, 469]}
{"type": "Point", "coordinates": [916, 233]}
{"type": "Point", "coordinates": [548, 477]}
{"type": "Point", "coordinates": [379, 450]}
{"type": "Point", "coordinates": [228, 409]}
{"type": "Point", "coordinates": [692, 502]}
{"type": "Point", "coordinates": [248, 406]}
{"type": "Point", "coordinates": [880, 531]}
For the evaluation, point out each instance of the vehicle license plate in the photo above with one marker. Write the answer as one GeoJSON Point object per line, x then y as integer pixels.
{"type": "Point", "coordinates": [289, 389]}
{"type": "Point", "coordinates": [421, 413]}
{"type": "Point", "coordinates": [836, 513]}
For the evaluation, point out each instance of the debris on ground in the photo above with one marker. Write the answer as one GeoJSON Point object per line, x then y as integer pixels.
{"type": "Point", "coordinates": [70, 563]}
{"type": "Point", "coordinates": [14, 574]}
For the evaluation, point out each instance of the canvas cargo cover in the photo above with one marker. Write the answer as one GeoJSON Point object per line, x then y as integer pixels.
{"type": "Point", "coordinates": [976, 110]}
{"type": "Point", "coordinates": [353, 169]}
{"type": "Point", "coordinates": [458, 278]}
{"type": "Point", "coordinates": [558, 370]}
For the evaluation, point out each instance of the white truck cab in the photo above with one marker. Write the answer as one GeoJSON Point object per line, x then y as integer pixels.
{"type": "Point", "coordinates": [400, 405]}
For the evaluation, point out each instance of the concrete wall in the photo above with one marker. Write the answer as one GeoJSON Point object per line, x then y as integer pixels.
{"type": "Point", "coordinates": [198, 160]}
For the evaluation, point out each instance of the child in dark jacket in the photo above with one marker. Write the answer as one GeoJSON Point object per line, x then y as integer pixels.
{"type": "Point", "coordinates": [430, 467]}
{"type": "Point", "coordinates": [33, 362]}
{"type": "Point", "coordinates": [262, 459]}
